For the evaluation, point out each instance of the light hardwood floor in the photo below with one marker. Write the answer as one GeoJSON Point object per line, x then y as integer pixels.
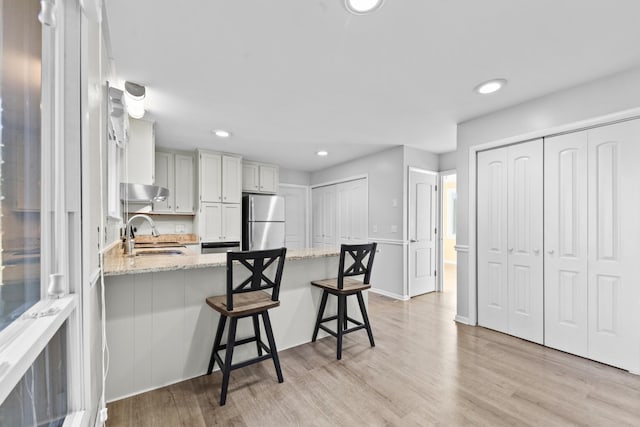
{"type": "Point", "coordinates": [424, 370]}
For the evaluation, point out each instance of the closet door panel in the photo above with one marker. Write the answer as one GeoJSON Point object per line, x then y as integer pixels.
{"type": "Point", "coordinates": [613, 266]}
{"type": "Point", "coordinates": [492, 240]}
{"type": "Point", "coordinates": [525, 240]}
{"type": "Point", "coordinates": [565, 235]}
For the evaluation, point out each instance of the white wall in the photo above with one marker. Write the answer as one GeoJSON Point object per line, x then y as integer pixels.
{"type": "Point", "coordinates": [290, 176]}
{"type": "Point", "coordinates": [447, 161]}
{"type": "Point", "coordinates": [595, 99]}
{"type": "Point", "coordinates": [421, 159]}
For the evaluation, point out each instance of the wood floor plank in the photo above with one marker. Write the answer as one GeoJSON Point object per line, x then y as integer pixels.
{"type": "Point", "coordinates": [425, 370]}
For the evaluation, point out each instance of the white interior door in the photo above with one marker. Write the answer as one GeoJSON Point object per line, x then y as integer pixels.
{"type": "Point", "coordinates": [295, 216]}
{"type": "Point", "coordinates": [614, 228]}
{"type": "Point", "coordinates": [525, 241]}
{"type": "Point", "coordinates": [422, 232]}
{"type": "Point", "coordinates": [565, 241]}
{"type": "Point", "coordinates": [492, 240]}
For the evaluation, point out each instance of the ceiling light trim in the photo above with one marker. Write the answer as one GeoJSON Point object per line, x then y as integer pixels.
{"type": "Point", "coordinates": [362, 7]}
{"type": "Point", "coordinates": [490, 86]}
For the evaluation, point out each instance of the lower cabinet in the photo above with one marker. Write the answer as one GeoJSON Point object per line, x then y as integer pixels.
{"type": "Point", "coordinates": [220, 222]}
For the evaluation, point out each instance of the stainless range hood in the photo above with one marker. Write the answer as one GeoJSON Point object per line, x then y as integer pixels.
{"type": "Point", "coordinates": [142, 193]}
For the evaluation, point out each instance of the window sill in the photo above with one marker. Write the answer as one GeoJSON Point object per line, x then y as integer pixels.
{"type": "Point", "coordinates": [23, 340]}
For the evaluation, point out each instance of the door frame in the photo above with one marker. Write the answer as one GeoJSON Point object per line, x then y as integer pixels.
{"type": "Point", "coordinates": [438, 221]}
{"type": "Point", "coordinates": [441, 177]}
{"type": "Point", "coordinates": [307, 208]}
{"type": "Point", "coordinates": [471, 249]}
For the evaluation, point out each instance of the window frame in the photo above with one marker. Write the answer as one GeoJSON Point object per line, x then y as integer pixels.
{"type": "Point", "coordinates": [25, 338]}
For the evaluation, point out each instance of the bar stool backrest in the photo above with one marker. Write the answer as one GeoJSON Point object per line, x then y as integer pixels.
{"type": "Point", "coordinates": [257, 263]}
{"type": "Point", "coordinates": [357, 253]}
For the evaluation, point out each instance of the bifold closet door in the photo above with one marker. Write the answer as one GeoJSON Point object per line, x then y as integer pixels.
{"type": "Point", "coordinates": [493, 310]}
{"type": "Point", "coordinates": [565, 241]}
{"type": "Point", "coordinates": [510, 240]}
{"type": "Point", "coordinates": [614, 239]}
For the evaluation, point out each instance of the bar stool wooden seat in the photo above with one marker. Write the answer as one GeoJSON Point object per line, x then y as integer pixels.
{"type": "Point", "coordinates": [342, 287]}
{"type": "Point", "coordinates": [248, 299]}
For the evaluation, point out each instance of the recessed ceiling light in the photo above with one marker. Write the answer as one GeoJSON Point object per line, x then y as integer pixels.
{"type": "Point", "coordinates": [491, 86]}
{"type": "Point", "coordinates": [221, 133]}
{"type": "Point", "coordinates": [360, 7]}
{"type": "Point", "coordinates": [322, 153]}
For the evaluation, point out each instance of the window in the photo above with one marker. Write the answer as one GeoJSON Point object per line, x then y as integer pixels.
{"type": "Point", "coordinates": [39, 344]}
{"type": "Point", "coordinates": [20, 94]}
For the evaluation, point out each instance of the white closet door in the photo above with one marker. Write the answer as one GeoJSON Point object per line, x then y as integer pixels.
{"type": "Point", "coordinates": [525, 241]}
{"type": "Point", "coordinates": [614, 233]}
{"type": "Point", "coordinates": [329, 217]}
{"type": "Point", "coordinates": [565, 234]}
{"type": "Point", "coordinates": [317, 217]}
{"type": "Point", "coordinates": [492, 239]}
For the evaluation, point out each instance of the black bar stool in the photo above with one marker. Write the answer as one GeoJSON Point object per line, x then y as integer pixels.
{"type": "Point", "coordinates": [344, 286]}
{"type": "Point", "coordinates": [247, 299]}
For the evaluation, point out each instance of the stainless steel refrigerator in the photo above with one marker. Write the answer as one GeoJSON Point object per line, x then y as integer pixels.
{"type": "Point", "coordinates": [262, 222]}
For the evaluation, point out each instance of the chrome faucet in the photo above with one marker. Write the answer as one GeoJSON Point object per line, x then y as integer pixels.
{"type": "Point", "coordinates": [129, 241]}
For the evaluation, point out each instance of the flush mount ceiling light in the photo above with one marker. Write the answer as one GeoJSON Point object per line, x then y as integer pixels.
{"type": "Point", "coordinates": [221, 133]}
{"type": "Point", "coordinates": [322, 153]}
{"type": "Point", "coordinates": [134, 95]}
{"type": "Point", "coordinates": [361, 7]}
{"type": "Point", "coordinates": [491, 86]}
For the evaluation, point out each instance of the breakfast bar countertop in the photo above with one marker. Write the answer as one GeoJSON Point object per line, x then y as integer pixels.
{"type": "Point", "coordinates": [117, 264]}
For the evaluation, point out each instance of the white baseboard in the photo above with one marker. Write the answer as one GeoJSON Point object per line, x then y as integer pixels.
{"type": "Point", "coordinates": [389, 294]}
{"type": "Point", "coordinates": [462, 319]}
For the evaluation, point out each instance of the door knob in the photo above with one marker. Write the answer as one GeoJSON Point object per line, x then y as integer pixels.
{"type": "Point", "coordinates": [412, 241]}
{"type": "Point", "coordinates": [550, 252]}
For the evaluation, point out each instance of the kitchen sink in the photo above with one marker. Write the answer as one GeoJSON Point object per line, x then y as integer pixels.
{"type": "Point", "coordinates": [161, 252]}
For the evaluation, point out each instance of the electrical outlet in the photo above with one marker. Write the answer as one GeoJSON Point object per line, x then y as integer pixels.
{"type": "Point", "coordinates": [394, 228]}
{"type": "Point", "coordinates": [394, 203]}
{"type": "Point", "coordinates": [179, 228]}
{"type": "Point", "coordinates": [375, 228]}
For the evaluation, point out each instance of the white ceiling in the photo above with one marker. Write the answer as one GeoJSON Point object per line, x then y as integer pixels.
{"type": "Point", "coordinates": [289, 77]}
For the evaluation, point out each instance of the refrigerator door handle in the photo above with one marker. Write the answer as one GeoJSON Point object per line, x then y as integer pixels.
{"type": "Point", "coordinates": [250, 237]}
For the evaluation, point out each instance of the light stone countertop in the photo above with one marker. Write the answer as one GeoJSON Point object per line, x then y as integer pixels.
{"type": "Point", "coordinates": [117, 264]}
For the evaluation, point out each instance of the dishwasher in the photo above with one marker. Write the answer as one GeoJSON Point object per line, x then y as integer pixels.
{"type": "Point", "coordinates": [219, 247]}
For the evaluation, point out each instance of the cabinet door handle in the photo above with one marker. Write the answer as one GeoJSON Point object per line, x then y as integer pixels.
{"type": "Point", "coordinates": [177, 207]}
{"type": "Point", "coordinates": [225, 197]}
{"type": "Point", "coordinates": [510, 249]}
{"type": "Point", "coordinates": [536, 251]}
{"type": "Point", "coordinates": [550, 251]}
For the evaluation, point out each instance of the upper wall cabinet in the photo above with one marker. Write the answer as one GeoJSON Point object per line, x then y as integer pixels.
{"type": "Point", "coordinates": [259, 178]}
{"type": "Point", "coordinates": [139, 160]}
{"type": "Point", "coordinates": [219, 177]}
{"type": "Point", "coordinates": [175, 171]}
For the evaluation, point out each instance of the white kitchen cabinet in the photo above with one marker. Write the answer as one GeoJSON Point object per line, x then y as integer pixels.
{"type": "Point", "coordinates": [220, 222]}
{"type": "Point", "coordinates": [139, 159]}
{"type": "Point", "coordinates": [260, 178]}
{"type": "Point", "coordinates": [231, 179]}
{"type": "Point", "coordinates": [175, 171]}
{"type": "Point", "coordinates": [164, 168]}
{"type": "Point", "coordinates": [231, 222]}
{"type": "Point", "coordinates": [184, 184]}
{"type": "Point", "coordinates": [210, 174]}
{"type": "Point", "coordinates": [220, 177]}
{"type": "Point", "coordinates": [210, 222]}
{"type": "Point", "coordinates": [510, 240]}
{"type": "Point", "coordinates": [592, 207]}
